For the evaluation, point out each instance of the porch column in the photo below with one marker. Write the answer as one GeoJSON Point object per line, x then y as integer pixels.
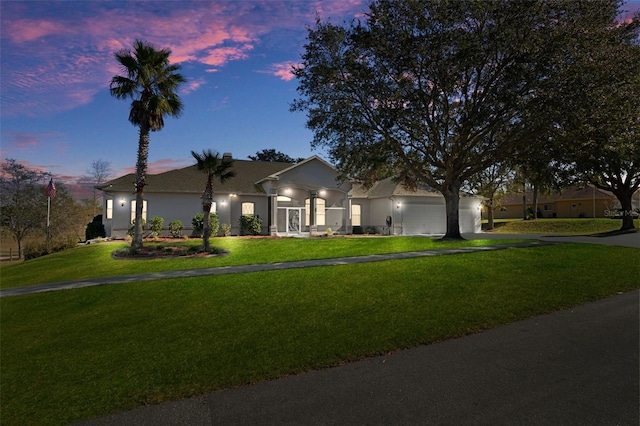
{"type": "Point", "coordinates": [273, 228]}
{"type": "Point", "coordinates": [312, 212]}
{"type": "Point", "coordinates": [347, 216]}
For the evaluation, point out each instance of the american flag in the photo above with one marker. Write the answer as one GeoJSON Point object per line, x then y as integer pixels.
{"type": "Point", "coordinates": [51, 189]}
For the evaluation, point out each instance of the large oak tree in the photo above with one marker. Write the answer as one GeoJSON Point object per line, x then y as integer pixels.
{"type": "Point", "coordinates": [434, 91]}
{"type": "Point", "coordinates": [601, 126]}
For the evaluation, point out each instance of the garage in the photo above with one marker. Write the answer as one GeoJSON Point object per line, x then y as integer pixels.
{"type": "Point", "coordinates": [423, 219]}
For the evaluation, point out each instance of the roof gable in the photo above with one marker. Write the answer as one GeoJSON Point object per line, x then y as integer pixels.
{"type": "Point", "coordinates": [191, 180]}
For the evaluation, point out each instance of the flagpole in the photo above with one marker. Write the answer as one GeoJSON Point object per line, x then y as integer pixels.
{"type": "Point", "coordinates": [50, 192]}
{"type": "Point", "coordinates": [48, 220]}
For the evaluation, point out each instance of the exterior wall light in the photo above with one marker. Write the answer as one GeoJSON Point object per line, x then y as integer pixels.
{"type": "Point", "coordinates": [121, 202]}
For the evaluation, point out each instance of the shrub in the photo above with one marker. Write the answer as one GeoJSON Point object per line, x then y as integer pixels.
{"type": "Point", "coordinates": [198, 224]}
{"type": "Point", "coordinates": [131, 229]}
{"type": "Point", "coordinates": [371, 230]}
{"type": "Point", "coordinates": [155, 225]}
{"type": "Point", "coordinates": [95, 229]}
{"type": "Point", "coordinates": [175, 228]}
{"type": "Point", "coordinates": [250, 225]}
{"type": "Point", "coordinates": [31, 251]}
{"type": "Point", "coordinates": [225, 228]}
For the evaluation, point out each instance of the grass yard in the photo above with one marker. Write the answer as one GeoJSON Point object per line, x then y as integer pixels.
{"type": "Point", "coordinates": [556, 226]}
{"type": "Point", "coordinates": [96, 261]}
{"type": "Point", "coordinates": [73, 355]}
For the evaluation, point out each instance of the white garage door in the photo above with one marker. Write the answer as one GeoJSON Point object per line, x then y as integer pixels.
{"type": "Point", "coordinates": [421, 219]}
{"type": "Point", "coordinates": [468, 220]}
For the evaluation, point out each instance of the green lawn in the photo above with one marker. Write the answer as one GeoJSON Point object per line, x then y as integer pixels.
{"type": "Point", "coordinates": [96, 261]}
{"type": "Point", "coordinates": [73, 355]}
{"type": "Point", "coordinates": [556, 226]}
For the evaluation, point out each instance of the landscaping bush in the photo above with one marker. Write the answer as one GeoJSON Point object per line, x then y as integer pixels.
{"type": "Point", "coordinates": [34, 250]}
{"type": "Point", "coordinates": [371, 230]}
{"type": "Point", "coordinates": [155, 225]}
{"type": "Point", "coordinates": [250, 225]}
{"type": "Point", "coordinates": [175, 228]}
{"type": "Point", "coordinates": [131, 229]}
{"type": "Point", "coordinates": [198, 224]}
{"type": "Point", "coordinates": [225, 229]}
{"type": "Point", "coordinates": [95, 229]}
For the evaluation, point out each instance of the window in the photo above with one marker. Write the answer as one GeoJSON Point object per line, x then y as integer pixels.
{"type": "Point", "coordinates": [213, 208]}
{"type": "Point", "coordinates": [133, 210]}
{"type": "Point", "coordinates": [109, 209]}
{"type": "Point", "coordinates": [548, 207]}
{"type": "Point", "coordinates": [356, 215]}
{"type": "Point", "coordinates": [320, 211]}
{"type": "Point", "coordinates": [247, 209]}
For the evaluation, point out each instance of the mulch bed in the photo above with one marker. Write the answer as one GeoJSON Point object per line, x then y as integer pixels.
{"type": "Point", "coordinates": [163, 251]}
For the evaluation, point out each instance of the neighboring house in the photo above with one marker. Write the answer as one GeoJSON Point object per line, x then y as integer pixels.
{"type": "Point", "coordinates": [289, 198]}
{"type": "Point", "coordinates": [574, 202]}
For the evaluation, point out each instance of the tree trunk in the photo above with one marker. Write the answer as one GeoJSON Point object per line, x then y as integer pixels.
{"type": "Point", "coordinates": [535, 202]}
{"type": "Point", "coordinates": [627, 210]}
{"type": "Point", "coordinates": [451, 192]}
{"type": "Point", "coordinates": [141, 177]}
{"type": "Point", "coordinates": [207, 201]}
{"type": "Point", "coordinates": [524, 201]}
{"type": "Point", "coordinates": [490, 215]}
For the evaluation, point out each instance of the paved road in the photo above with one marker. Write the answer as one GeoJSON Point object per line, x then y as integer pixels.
{"type": "Point", "coordinates": [574, 367]}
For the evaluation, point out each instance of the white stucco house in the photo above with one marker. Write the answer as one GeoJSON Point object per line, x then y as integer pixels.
{"type": "Point", "coordinates": [290, 199]}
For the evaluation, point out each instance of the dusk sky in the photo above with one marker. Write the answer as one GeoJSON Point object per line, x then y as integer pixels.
{"type": "Point", "coordinates": [57, 61]}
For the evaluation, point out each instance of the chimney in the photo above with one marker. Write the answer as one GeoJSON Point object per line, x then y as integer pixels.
{"type": "Point", "coordinates": [227, 156]}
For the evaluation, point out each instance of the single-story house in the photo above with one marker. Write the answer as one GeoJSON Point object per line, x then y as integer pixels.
{"type": "Point", "coordinates": [581, 201]}
{"type": "Point", "coordinates": [289, 198]}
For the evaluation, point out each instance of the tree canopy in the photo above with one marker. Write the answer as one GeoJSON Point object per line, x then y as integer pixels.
{"type": "Point", "coordinates": [435, 92]}
{"type": "Point", "coordinates": [272, 155]}
{"type": "Point", "coordinates": [601, 127]}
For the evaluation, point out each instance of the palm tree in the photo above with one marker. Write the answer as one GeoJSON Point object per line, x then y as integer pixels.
{"type": "Point", "coordinates": [152, 83]}
{"type": "Point", "coordinates": [210, 163]}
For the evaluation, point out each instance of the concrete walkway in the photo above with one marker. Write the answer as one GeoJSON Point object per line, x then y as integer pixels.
{"type": "Point", "coordinates": [68, 285]}
{"type": "Point", "coordinates": [625, 240]}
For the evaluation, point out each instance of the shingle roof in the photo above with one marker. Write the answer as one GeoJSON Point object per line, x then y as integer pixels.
{"type": "Point", "coordinates": [191, 180]}
{"type": "Point", "coordinates": [388, 188]}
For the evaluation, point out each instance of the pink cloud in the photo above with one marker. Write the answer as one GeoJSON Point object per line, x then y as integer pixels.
{"type": "Point", "coordinates": [193, 85]}
{"type": "Point", "coordinates": [27, 141]}
{"type": "Point", "coordinates": [57, 56]}
{"type": "Point", "coordinates": [25, 30]}
{"type": "Point", "coordinates": [282, 70]}
{"type": "Point", "coordinates": [157, 166]}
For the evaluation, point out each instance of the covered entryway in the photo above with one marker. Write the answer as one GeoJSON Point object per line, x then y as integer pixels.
{"type": "Point", "coordinates": [291, 220]}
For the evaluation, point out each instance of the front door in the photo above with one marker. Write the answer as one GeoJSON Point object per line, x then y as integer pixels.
{"type": "Point", "coordinates": [294, 217]}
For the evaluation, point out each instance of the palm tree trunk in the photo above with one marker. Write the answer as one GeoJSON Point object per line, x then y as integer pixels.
{"type": "Point", "coordinates": [141, 177]}
{"type": "Point", "coordinates": [207, 201]}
